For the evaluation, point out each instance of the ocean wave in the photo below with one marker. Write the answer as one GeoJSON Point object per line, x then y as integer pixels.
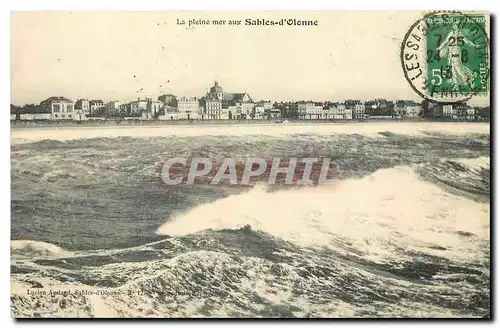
{"type": "Point", "coordinates": [381, 217]}
{"type": "Point", "coordinates": [213, 283]}
{"type": "Point", "coordinates": [469, 177]}
{"type": "Point", "coordinates": [403, 233]}
{"type": "Point", "coordinates": [242, 273]}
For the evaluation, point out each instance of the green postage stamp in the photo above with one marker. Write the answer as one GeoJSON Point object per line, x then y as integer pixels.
{"type": "Point", "coordinates": [456, 55]}
{"type": "Point", "coordinates": [445, 56]}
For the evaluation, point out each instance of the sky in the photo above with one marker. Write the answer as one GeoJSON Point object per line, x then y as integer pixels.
{"type": "Point", "coordinates": [125, 55]}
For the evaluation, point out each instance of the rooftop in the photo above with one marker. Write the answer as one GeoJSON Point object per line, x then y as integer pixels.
{"type": "Point", "coordinates": [235, 96]}
{"type": "Point", "coordinates": [57, 99]}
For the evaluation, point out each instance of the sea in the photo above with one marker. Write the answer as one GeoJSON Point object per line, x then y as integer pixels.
{"type": "Point", "coordinates": [404, 231]}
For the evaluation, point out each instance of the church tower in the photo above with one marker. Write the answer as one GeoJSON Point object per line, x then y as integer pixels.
{"type": "Point", "coordinates": [216, 92]}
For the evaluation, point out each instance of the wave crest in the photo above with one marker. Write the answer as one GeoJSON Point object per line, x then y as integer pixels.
{"type": "Point", "coordinates": [382, 217]}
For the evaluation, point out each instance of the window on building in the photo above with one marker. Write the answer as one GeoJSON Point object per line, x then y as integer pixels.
{"type": "Point", "coordinates": [56, 108]}
{"type": "Point", "coordinates": [55, 115]}
{"type": "Point", "coordinates": [69, 108]}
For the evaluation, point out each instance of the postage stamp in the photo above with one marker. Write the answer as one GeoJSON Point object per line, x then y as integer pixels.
{"type": "Point", "coordinates": [445, 56]}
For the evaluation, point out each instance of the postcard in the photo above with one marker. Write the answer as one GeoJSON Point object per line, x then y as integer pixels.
{"type": "Point", "coordinates": [246, 164]}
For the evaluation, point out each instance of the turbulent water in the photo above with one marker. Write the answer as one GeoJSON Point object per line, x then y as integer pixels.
{"type": "Point", "coordinates": [404, 233]}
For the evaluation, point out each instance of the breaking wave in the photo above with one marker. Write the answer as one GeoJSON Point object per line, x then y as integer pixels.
{"type": "Point", "coordinates": [382, 216]}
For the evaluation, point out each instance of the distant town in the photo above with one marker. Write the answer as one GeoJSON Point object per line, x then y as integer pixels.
{"type": "Point", "coordinates": [220, 105]}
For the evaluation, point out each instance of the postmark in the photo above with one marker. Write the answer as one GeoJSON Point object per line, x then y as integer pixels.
{"type": "Point", "coordinates": [445, 56]}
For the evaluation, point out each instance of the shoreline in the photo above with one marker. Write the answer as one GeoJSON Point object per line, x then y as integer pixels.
{"type": "Point", "coordinates": [15, 125]}
{"type": "Point", "coordinates": [64, 132]}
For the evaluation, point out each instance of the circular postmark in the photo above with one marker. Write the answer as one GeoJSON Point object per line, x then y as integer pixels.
{"type": "Point", "coordinates": [445, 56]}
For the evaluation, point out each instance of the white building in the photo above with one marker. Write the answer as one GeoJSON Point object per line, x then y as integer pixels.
{"type": "Point", "coordinates": [113, 108]}
{"type": "Point", "coordinates": [318, 111]}
{"type": "Point", "coordinates": [97, 107]}
{"type": "Point", "coordinates": [337, 111]}
{"type": "Point", "coordinates": [461, 112]}
{"type": "Point", "coordinates": [412, 110]}
{"type": "Point", "coordinates": [267, 110]}
{"type": "Point", "coordinates": [303, 109]}
{"type": "Point", "coordinates": [234, 111]}
{"type": "Point", "coordinates": [153, 107]}
{"type": "Point", "coordinates": [329, 112]}
{"type": "Point", "coordinates": [407, 108]}
{"type": "Point", "coordinates": [61, 108]}
{"type": "Point", "coordinates": [188, 106]}
{"type": "Point", "coordinates": [448, 110]}
{"type": "Point", "coordinates": [213, 109]}
{"type": "Point", "coordinates": [359, 110]}
{"type": "Point", "coordinates": [268, 106]}
{"type": "Point", "coordinates": [259, 112]}
{"type": "Point", "coordinates": [275, 113]}
{"type": "Point", "coordinates": [348, 114]}
{"type": "Point", "coordinates": [81, 109]}
{"type": "Point", "coordinates": [224, 114]}
{"type": "Point", "coordinates": [247, 109]}
{"type": "Point", "coordinates": [471, 113]}
{"type": "Point", "coordinates": [83, 105]}
{"type": "Point", "coordinates": [138, 106]}
{"type": "Point", "coordinates": [310, 111]}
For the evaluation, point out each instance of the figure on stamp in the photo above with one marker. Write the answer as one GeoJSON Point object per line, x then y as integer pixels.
{"type": "Point", "coordinates": [451, 49]}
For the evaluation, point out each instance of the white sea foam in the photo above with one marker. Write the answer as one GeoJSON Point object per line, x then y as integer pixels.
{"type": "Point", "coordinates": [32, 248]}
{"type": "Point", "coordinates": [366, 129]}
{"type": "Point", "coordinates": [477, 162]}
{"type": "Point", "coordinates": [389, 209]}
{"type": "Point", "coordinates": [165, 288]}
